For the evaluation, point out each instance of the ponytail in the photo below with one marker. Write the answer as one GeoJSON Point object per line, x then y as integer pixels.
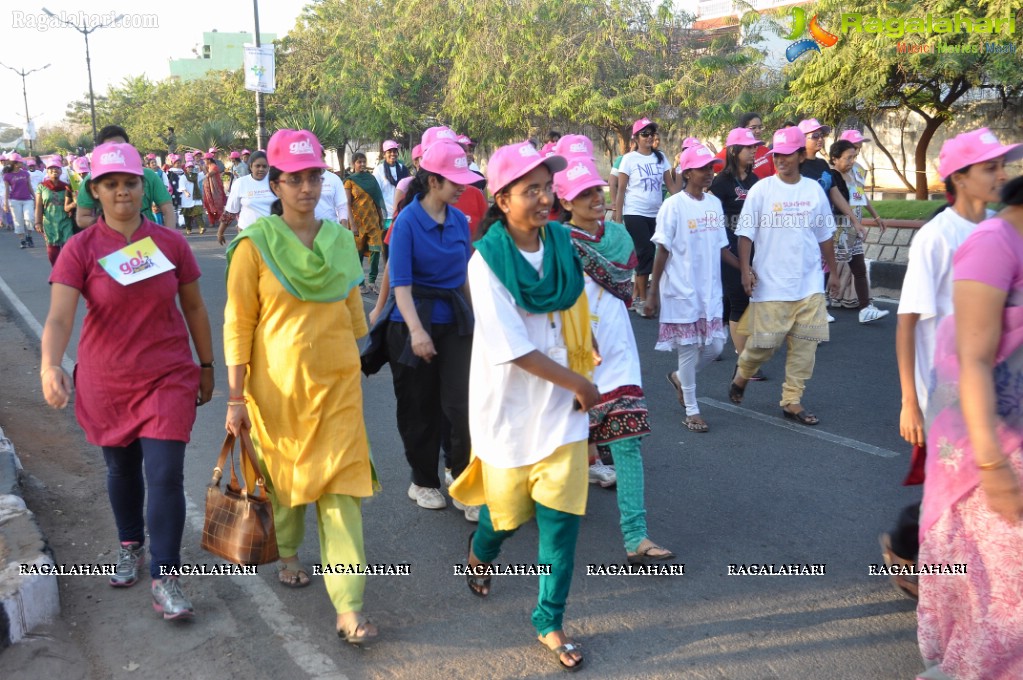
{"type": "Point", "coordinates": [418, 187]}
{"type": "Point", "coordinates": [1012, 192]}
{"type": "Point", "coordinates": [274, 175]}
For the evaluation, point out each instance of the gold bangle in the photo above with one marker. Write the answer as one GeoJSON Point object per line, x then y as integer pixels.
{"type": "Point", "coordinates": [993, 466]}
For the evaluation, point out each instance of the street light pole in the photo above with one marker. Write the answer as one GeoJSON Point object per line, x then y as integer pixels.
{"type": "Point", "coordinates": [24, 93]}
{"type": "Point", "coordinates": [260, 109]}
{"type": "Point", "coordinates": [88, 61]}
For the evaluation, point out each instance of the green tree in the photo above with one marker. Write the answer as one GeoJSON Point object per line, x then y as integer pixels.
{"type": "Point", "coordinates": [864, 75]}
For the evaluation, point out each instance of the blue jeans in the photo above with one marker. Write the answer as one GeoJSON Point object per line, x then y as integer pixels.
{"type": "Point", "coordinates": [164, 463]}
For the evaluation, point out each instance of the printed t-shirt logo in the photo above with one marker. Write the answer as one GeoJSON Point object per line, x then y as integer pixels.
{"type": "Point", "coordinates": [112, 158]}
{"type": "Point", "coordinates": [692, 225]}
{"type": "Point", "coordinates": [301, 147]}
{"type": "Point", "coordinates": [776, 208]}
{"type": "Point", "coordinates": [574, 173]}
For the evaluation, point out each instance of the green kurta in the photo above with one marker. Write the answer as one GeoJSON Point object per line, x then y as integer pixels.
{"type": "Point", "coordinates": [56, 222]}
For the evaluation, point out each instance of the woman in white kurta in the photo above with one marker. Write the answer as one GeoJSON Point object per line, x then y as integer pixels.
{"type": "Point", "coordinates": [250, 197]}
{"type": "Point", "coordinates": [686, 281]}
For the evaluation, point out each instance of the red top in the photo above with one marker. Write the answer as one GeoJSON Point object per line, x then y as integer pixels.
{"type": "Point", "coordinates": [763, 166]}
{"type": "Point", "coordinates": [472, 203]}
{"type": "Point", "coordinates": [135, 374]}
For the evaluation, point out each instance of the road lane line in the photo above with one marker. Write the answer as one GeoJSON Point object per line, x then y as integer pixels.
{"type": "Point", "coordinates": [293, 633]}
{"type": "Point", "coordinates": [801, 429]}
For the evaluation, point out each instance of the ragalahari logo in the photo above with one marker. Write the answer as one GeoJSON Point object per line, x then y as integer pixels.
{"type": "Point", "coordinates": [818, 36]}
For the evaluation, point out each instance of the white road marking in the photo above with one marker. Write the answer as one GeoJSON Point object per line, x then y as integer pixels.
{"type": "Point", "coordinates": [777, 421]}
{"type": "Point", "coordinates": [292, 632]}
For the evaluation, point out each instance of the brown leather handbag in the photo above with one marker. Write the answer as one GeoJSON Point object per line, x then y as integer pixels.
{"type": "Point", "coordinates": [239, 525]}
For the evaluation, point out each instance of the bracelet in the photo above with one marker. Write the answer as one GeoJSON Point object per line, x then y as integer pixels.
{"type": "Point", "coordinates": [237, 401]}
{"type": "Point", "coordinates": [48, 369]}
{"type": "Point", "coordinates": [206, 365]}
{"type": "Point", "coordinates": [993, 466]}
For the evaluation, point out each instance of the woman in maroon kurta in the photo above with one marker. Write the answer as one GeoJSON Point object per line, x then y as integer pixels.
{"type": "Point", "coordinates": [137, 383]}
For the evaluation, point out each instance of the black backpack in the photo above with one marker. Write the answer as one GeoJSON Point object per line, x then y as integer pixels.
{"type": "Point", "coordinates": [172, 179]}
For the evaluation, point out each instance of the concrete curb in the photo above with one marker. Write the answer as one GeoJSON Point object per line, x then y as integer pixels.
{"type": "Point", "coordinates": [26, 601]}
{"type": "Point", "coordinates": [887, 274]}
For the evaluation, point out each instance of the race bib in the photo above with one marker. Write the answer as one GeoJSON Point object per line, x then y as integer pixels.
{"type": "Point", "coordinates": [136, 262]}
{"type": "Point", "coordinates": [559, 355]}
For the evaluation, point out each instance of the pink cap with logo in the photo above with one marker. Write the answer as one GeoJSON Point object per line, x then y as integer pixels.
{"type": "Point", "coordinates": [853, 136]}
{"type": "Point", "coordinates": [208, 156]}
{"type": "Point", "coordinates": [294, 151]}
{"type": "Point", "coordinates": [690, 142]}
{"type": "Point", "coordinates": [742, 137]}
{"type": "Point", "coordinates": [235, 155]}
{"type": "Point", "coordinates": [640, 124]}
{"type": "Point", "coordinates": [246, 152]}
{"type": "Point", "coordinates": [150, 156]}
{"type": "Point", "coordinates": [31, 162]}
{"type": "Point", "coordinates": [448, 160]}
{"type": "Point", "coordinates": [437, 133]}
{"type": "Point", "coordinates": [972, 147]}
{"type": "Point", "coordinates": [548, 149]}
{"type": "Point", "coordinates": [574, 146]}
{"type": "Point", "coordinates": [581, 174]}
{"type": "Point", "coordinates": [189, 157]}
{"type": "Point", "coordinates": [511, 162]}
{"type": "Point", "coordinates": [81, 165]}
{"type": "Point", "coordinates": [464, 140]}
{"type": "Point", "coordinates": [390, 144]}
{"type": "Point", "coordinates": [15, 157]}
{"type": "Point", "coordinates": [417, 151]}
{"type": "Point", "coordinates": [173, 158]}
{"type": "Point", "coordinates": [212, 149]}
{"type": "Point", "coordinates": [787, 140]}
{"type": "Point", "coordinates": [53, 161]}
{"type": "Point", "coordinates": [112, 158]}
{"type": "Point", "coordinates": [697, 157]}
{"type": "Point", "coordinates": [811, 125]}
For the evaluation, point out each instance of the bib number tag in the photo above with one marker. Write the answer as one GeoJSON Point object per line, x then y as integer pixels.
{"type": "Point", "coordinates": [136, 262]}
{"type": "Point", "coordinates": [559, 355]}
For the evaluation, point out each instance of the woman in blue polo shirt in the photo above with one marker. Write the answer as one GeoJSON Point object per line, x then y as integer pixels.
{"type": "Point", "coordinates": [429, 336]}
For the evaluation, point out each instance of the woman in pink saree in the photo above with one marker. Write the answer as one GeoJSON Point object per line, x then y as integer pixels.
{"type": "Point", "coordinates": [971, 624]}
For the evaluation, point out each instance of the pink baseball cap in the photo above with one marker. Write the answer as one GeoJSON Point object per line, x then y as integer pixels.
{"type": "Point", "coordinates": [437, 133]}
{"type": "Point", "coordinates": [972, 147]}
{"type": "Point", "coordinates": [235, 154]}
{"type": "Point", "coordinates": [697, 157]}
{"type": "Point", "coordinates": [150, 156]}
{"type": "Point", "coordinates": [548, 149]}
{"type": "Point", "coordinates": [173, 158]}
{"type": "Point", "coordinates": [294, 151]}
{"type": "Point", "coordinates": [811, 125]}
{"type": "Point", "coordinates": [853, 136]}
{"type": "Point", "coordinates": [574, 146]}
{"type": "Point", "coordinates": [81, 165]}
{"type": "Point", "coordinates": [581, 174]}
{"type": "Point", "coordinates": [112, 158]}
{"type": "Point", "coordinates": [742, 137]}
{"type": "Point", "coordinates": [189, 164]}
{"type": "Point", "coordinates": [690, 142]}
{"type": "Point", "coordinates": [464, 140]}
{"type": "Point", "coordinates": [212, 149]}
{"type": "Point", "coordinates": [208, 156]}
{"type": "Point", "coordinates": [417, 152]}
{"type": "Point", "coordinates": [510, 162]}
{"type": "Point", "coordinates": [53, 161]}
{"type": "Point", "coordinates": [787, 140]}
{"type": "Point", "coordinates": [189, 156]}
{"type": "Point", "coordinates": [642, 123]}
{"type": "Point", "coordinates": [448, 160]}
{"type": "Point", "coordinates": [246, 152]}
{"type": "Point", "coordinates": [31, 161]}
{"type": "Point", "coordinates": [402, 184]}
{"type": "Point", "coordinates": [15, 157]}
{"type": "Point", "coordinates": [391, 144]}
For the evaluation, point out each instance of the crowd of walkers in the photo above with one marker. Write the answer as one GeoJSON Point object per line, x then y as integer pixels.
{"type": "Point", "coordinates": [505, 325]}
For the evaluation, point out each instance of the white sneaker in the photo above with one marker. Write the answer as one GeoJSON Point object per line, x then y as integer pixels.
{"type": "Point", "coordinates": [431, 499]}
{"type": "Point", "coordinates": [831, 319]}
{"type": "Point", "coordinates": [604, 475]}
{"type": "Point", "coordinates": [448, 479]}
{"type": "Point", "coordinates": [472, 512]}
{"type": "Point", "coordinates": [872, 313]}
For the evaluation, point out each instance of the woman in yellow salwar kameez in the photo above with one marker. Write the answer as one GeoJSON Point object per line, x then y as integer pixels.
{"type": "Point", "coordinates": [290, 331]}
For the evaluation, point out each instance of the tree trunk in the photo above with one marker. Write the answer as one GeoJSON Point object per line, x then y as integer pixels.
{"type": "Point", "coordinates": [921, 156]}
{"type": "Point", "coordinates": [624, 136]}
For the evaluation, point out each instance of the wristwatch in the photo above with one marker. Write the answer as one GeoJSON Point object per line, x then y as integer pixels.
{"type": "Point", "coordinates": [209, 365]}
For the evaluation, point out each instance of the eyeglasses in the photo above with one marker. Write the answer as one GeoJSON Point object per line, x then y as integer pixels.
{"type": "Point", "coordinates": [818, 135]}
{"type": "Point", "coordinates": [534, 191]}
{"type": "Point", "coordinates": [646, 133]}
{"type": "Point", "coordinates": [299, 180]}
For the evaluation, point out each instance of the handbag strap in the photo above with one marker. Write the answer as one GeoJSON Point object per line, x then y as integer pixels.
{"type": "Point", "coordinates": [248, 456]}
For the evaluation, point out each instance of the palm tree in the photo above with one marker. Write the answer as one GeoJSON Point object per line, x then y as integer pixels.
{"type": "Point", "coordinates": [320, 121]}
{"type": "Point", "coordinates": [219, 134]}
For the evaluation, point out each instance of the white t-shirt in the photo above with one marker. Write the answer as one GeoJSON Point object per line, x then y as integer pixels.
{"type": "Point", "coordinates": [693, 233]}
{"type": "Point", "coordinates": [786, 222]}
{"type": "Point", "coordinates": [36, 177]}
{"type": "Point", "coordinates": [188, 200]}
{"type": "Point", "coordinates": [609, 318]}
{"type": "Point", "coordinates": [516, 418]}
{"type": "Point", "coordinates": [386, 188]}
{"type": "Point", "coordinates": [644, 192]}
{"type": "Point", "coordinates": [250, 198]}
{"type": "Point", "coordinates": [927, 288]}
{"type": "Point", "coordinates": [333, 203]}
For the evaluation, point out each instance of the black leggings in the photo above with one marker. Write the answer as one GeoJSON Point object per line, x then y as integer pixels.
{"type": "Point", "coordinates": [641, 229]}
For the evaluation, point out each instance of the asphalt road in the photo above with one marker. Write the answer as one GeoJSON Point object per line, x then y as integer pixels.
{"type": "Point", "coordinates": [757, 489]}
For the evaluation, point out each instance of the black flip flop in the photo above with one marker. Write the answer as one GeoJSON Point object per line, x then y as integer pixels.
{"type": "Point", "coordinates": [803, 417]}
{"type": "Point", "coordinates": [475, 583]}
{"type": "Point", "coordinates": [736, 393]}
{"type": "Point", "coordinates": [566, 648]}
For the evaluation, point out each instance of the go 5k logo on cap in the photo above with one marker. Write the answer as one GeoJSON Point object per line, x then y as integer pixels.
{"type": "Point", "coordinates": [818, 36]}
